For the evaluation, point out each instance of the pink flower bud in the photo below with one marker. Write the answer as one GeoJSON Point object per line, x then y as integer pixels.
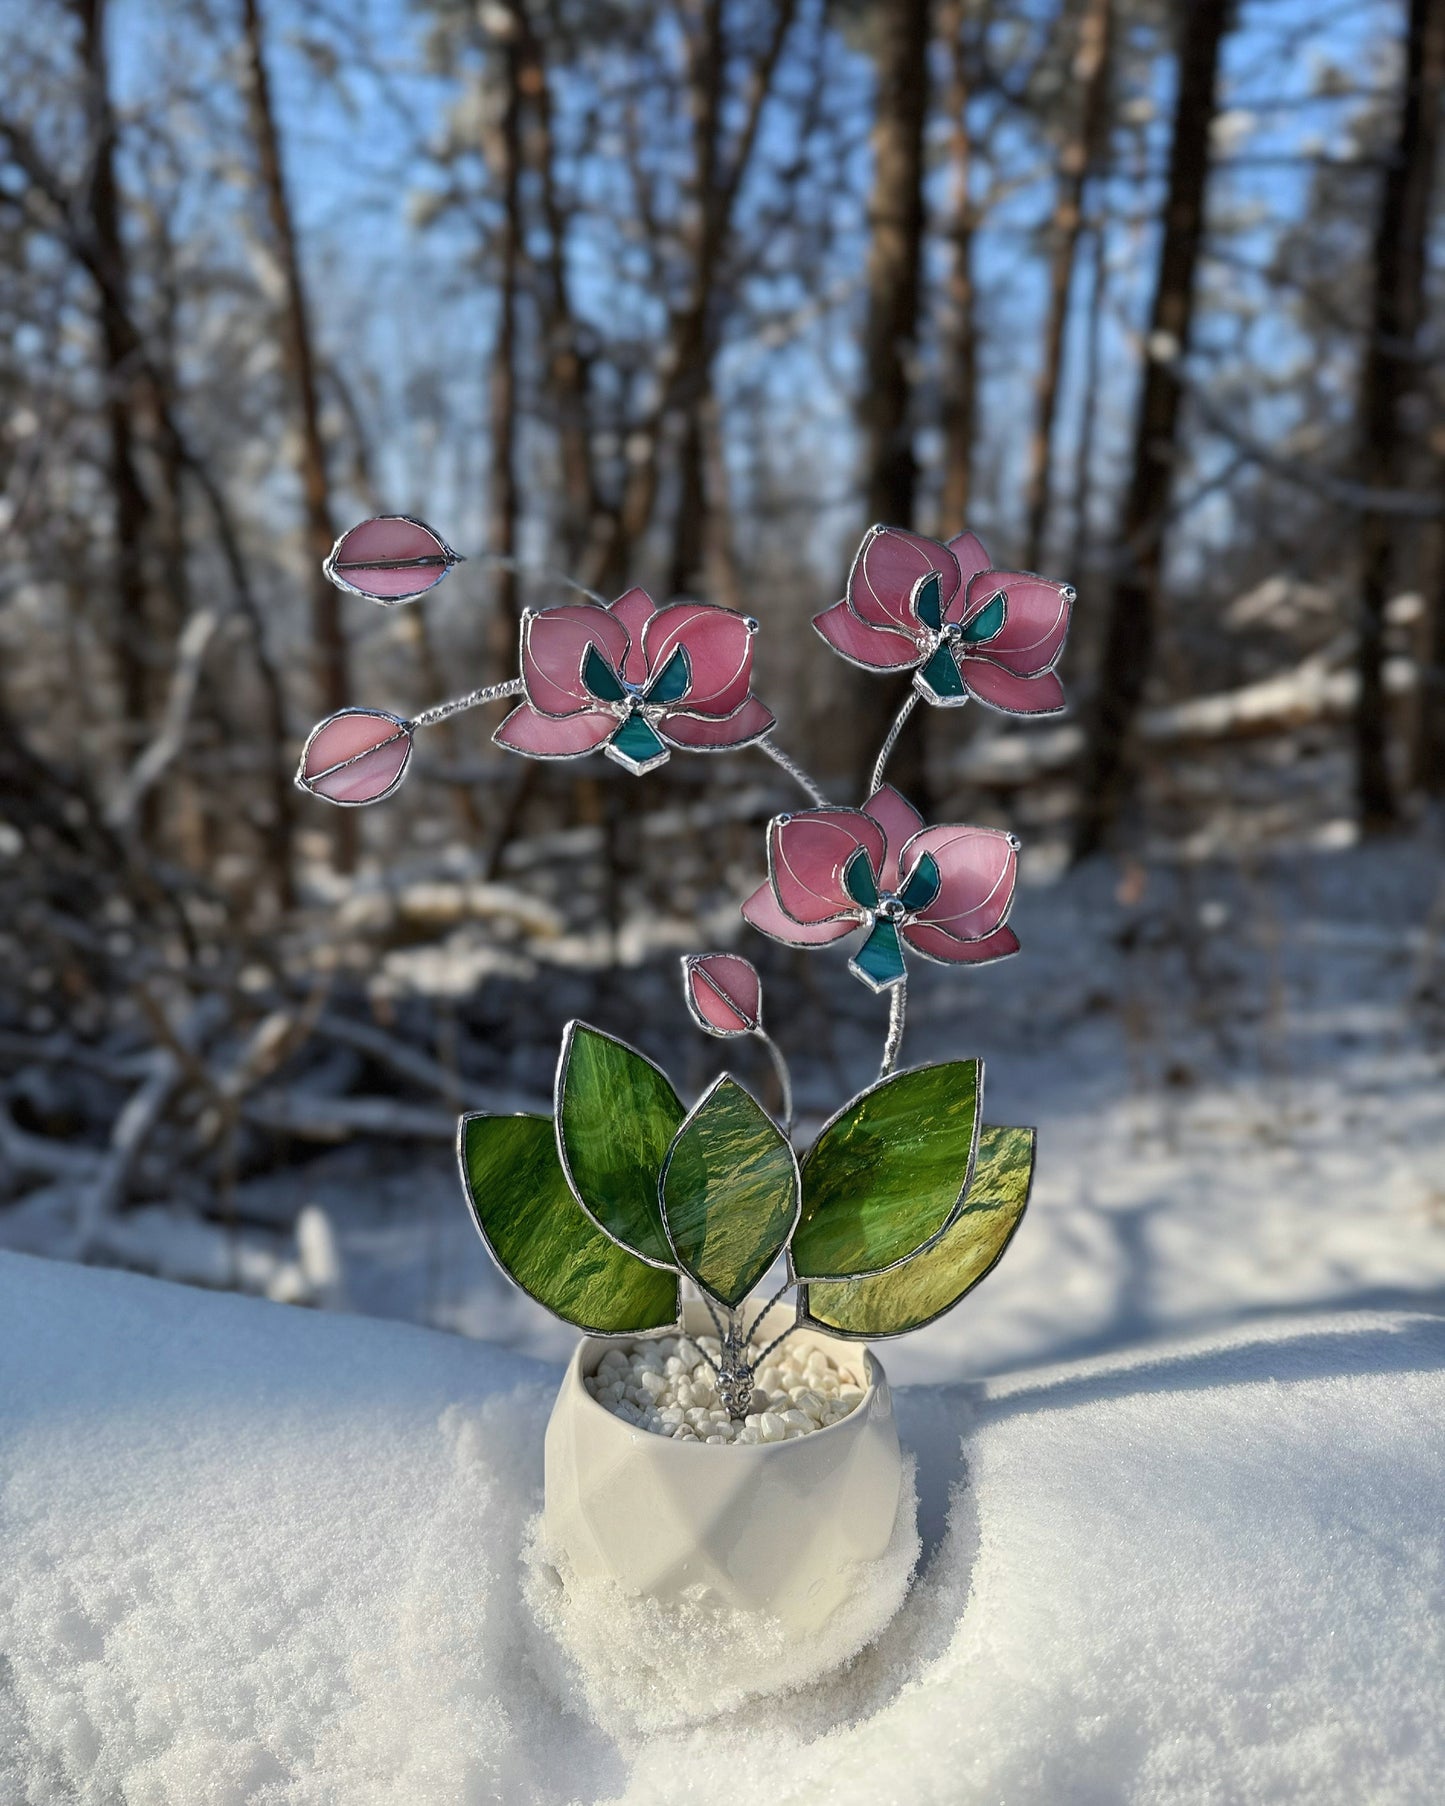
{"type": "Point", "coordinates": [724, 993]}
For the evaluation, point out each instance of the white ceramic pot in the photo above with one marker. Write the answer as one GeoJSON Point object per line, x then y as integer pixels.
{"type": "Point", "coordinates": [772, 1527]}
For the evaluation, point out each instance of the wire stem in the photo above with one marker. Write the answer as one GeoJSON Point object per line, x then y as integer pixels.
{"type": "Point", "coordinates": [780, 1066]}
{"type": "Point", "coordinates": [443, 711]}
{"type": "Point", "coordinates": [910, 703]}
{"type": "Point", "coordinates": [786, 1286]}
{"type": "Point", "coordinates": [897, 1009]}
{"type": "Point", "coordinates": [794, 770]}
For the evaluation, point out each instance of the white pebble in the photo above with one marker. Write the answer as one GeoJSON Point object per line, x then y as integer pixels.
{"type": "Point", "coordinates": [668, 1389]}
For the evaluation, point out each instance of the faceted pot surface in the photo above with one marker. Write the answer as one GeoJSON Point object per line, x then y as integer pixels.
{"type": "Point", "coordinates": [778, 1527]}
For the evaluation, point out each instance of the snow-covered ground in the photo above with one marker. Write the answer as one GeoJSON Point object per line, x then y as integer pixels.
{"type": "Point", "coordinates": [259, 1555]}
{"type": "Point", "coordinates": [1180, 1460]}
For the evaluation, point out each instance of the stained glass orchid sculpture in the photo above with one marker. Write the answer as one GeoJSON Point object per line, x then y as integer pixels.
{"type": "Point", "coordinates": [904, 1200]}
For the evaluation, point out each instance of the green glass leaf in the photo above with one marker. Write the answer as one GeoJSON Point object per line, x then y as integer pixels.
{"type": "Point", "coordinates": [986, 623]}
{"type": "Point", "coordinates": [545, 1242]}
{"type": "Point", "coordinates": [600, 678]}
{"type": "Point", "coordinates": [729, 1192]}
{"type": "Point", "coordinates": [940, 675]}
{"type": "Point", "coordinates": [635, 744]}
{"type": "Point", "coordinates": [922, 886]}
{"type": "Point", "coordinates": [859, 882]}
{"type": "Point", "coordinates": [928, 601]}
{"type": "Point", "coordinates": [616, 1116]}
{"type": "Point", "coordinates": [672, 679]}
{"type": "Point", "coordinates": [933, 1280]}
{"type": "Point", "coordinates": [888, 1171]}
{"type": "Point", "coordinates": [880, 959]}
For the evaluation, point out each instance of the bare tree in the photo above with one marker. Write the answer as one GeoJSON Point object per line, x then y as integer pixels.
{"type": "Point", "coordinates": [958, 376]}
{"type": "Point", "coordinates": [328, 633]}
{"type": "Point", "coordinates": [885, 408]}
{"type": "Point", "coordinates": [1389, 372]}
{"type": "Point", "coordinates": [1131, 629]}
{"type": "Point", "coordinates": [122, 374]}
{"type": "Point", "coordinates": [1077, 157]}
{"type": "Point", "coordinates": [504, 154]}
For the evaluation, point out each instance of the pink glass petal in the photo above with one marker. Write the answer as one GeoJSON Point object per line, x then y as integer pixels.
{"type": "Point", "coordinates": [1000, 689]}
{"type": "Point", "coordinates": [355, 757]}
{"type": "Point", "coordinates": [719, 647]}
{"type": "Point", "coordinates": [967, 548]}
{"type": "Point", "coordinates": [875, 648]}
{"type": "Point", "coordinates": [937, 943]}
{"type": "Point", "coordinates": [1036, 621]}
{"type": "Point", "coordinates": [552, 737]}
{"type": "Point", "coordinates": [388, 536]}
{"type": "Point", "coordinates": [697, 734]}
{"type": "Point", "coordinates": [634, 609]}
{"type": "Point", "coordinates": [889, 563]}
{"type": "Point", "coordinates": [806, 856]}
{"type": "Point", "coordinates": [898, 819]}
{"type": "Point", "coordinates": [554, 644]}
{"type": "Point", "coordinates": [761, 909]}
{"type": "Point", "coordinates": [977, 868]}
{"type": "Point", "coordinates": [725, 993]}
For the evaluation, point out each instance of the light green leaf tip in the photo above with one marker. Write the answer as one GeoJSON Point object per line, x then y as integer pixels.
{"type": "Point", "coordinates": [922, 1288]}
{"type": "Point", "coordinates": [544, 1241]}
{"type": "Point", "coordinates": [616, 1116]}
{"type": "Point", "coordinates": [888, 1171]}
{"type": "Point", "coordinates": [729, 1192]}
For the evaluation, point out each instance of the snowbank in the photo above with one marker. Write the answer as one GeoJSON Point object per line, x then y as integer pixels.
{"type": "Point", "coordinates": [251, 1554]}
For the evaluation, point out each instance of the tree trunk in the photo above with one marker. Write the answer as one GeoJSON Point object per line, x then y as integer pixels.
{"type": "Point", "coordinates": [959, 376]}
{"type": "Point", "coordinates": [566, 365]}
{"type": "Point", "coordinates": [505, 148]}
{"type": "Point", "coordinates": [122, 373]}
{"type": "Point", "coordinates": [1387, 374]}
{"type": "Point", "coordinates": [1076, 160]}
{"type": "Point", "coordinates": [1391, 370]}
{"type": "Point", "coordinates": [885, 412]}
{"type": "Point", "coordinates": [1130, 631]}
{"type": "Point", "coordinates": [328, 637]}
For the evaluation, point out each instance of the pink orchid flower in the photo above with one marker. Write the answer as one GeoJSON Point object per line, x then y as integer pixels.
{"type": "Point", "coordinates": [944, 891]}
{"type": "Point", "coordinates": [963, 628]}
{"type": "Point", "coordinates": [636, 680]}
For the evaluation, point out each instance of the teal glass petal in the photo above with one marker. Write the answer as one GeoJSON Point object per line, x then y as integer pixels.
{"type": "Point", "coordinates": [922, 886]}
{"type": "Point", "coordinates": [880, 959]}
{"type": "Point", "coordinates": [986, 623]}
{"type": "Point", "coordinates": [940, 675]}
{"type": "Point", "coordinates": [543, 1240]}
{"type": "Point", "coordinates": [616, 1117]}
{"type": "Point", "coordinates": [672, 680]}
{"type": "Point", "coordinates": [600, 678]}
{"type": "Point", "coordinates": [889, 1171]}
{"type": "Point", "coordinates": [928, 601]}
{"type": "Point", "coordinates": [935, 1279]}
{"type": "Point", "coordinates": [635, 743]}
{"type": "Point", "coordinates": [729, 1192]}
{"type": "Point", "coordinates": [859, 882]}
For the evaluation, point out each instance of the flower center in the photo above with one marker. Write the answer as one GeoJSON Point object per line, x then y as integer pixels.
{"type": "Point", "coordinates": [890, 908]}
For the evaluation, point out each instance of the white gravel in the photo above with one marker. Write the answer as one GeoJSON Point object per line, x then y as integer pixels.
{"type": "Point", "coordinates": [668, 1387]}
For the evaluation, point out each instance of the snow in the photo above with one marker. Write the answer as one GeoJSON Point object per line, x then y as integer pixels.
{"type": "Point", "coordinates": [258, 1554]}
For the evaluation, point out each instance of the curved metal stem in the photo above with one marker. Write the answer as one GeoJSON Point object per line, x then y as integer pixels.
{"type": "Point", "coordinates": [786, 1286]}
{"type": "Point", "coordinates": [910, 703]}
{"type": "Point", "coordinates": [758, 1361]}
{"type": "Point", "coordinates": [443, 711]}
{"type": "Point", "coordinates": [794, 770]}
{"type": "Point", "coordinates": [897, 1009]}
{"type": "Point", "coordinates": [780, 1066]}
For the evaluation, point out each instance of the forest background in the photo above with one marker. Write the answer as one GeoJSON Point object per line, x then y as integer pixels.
{"type": "Point", "coordinates": [687, 295]}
